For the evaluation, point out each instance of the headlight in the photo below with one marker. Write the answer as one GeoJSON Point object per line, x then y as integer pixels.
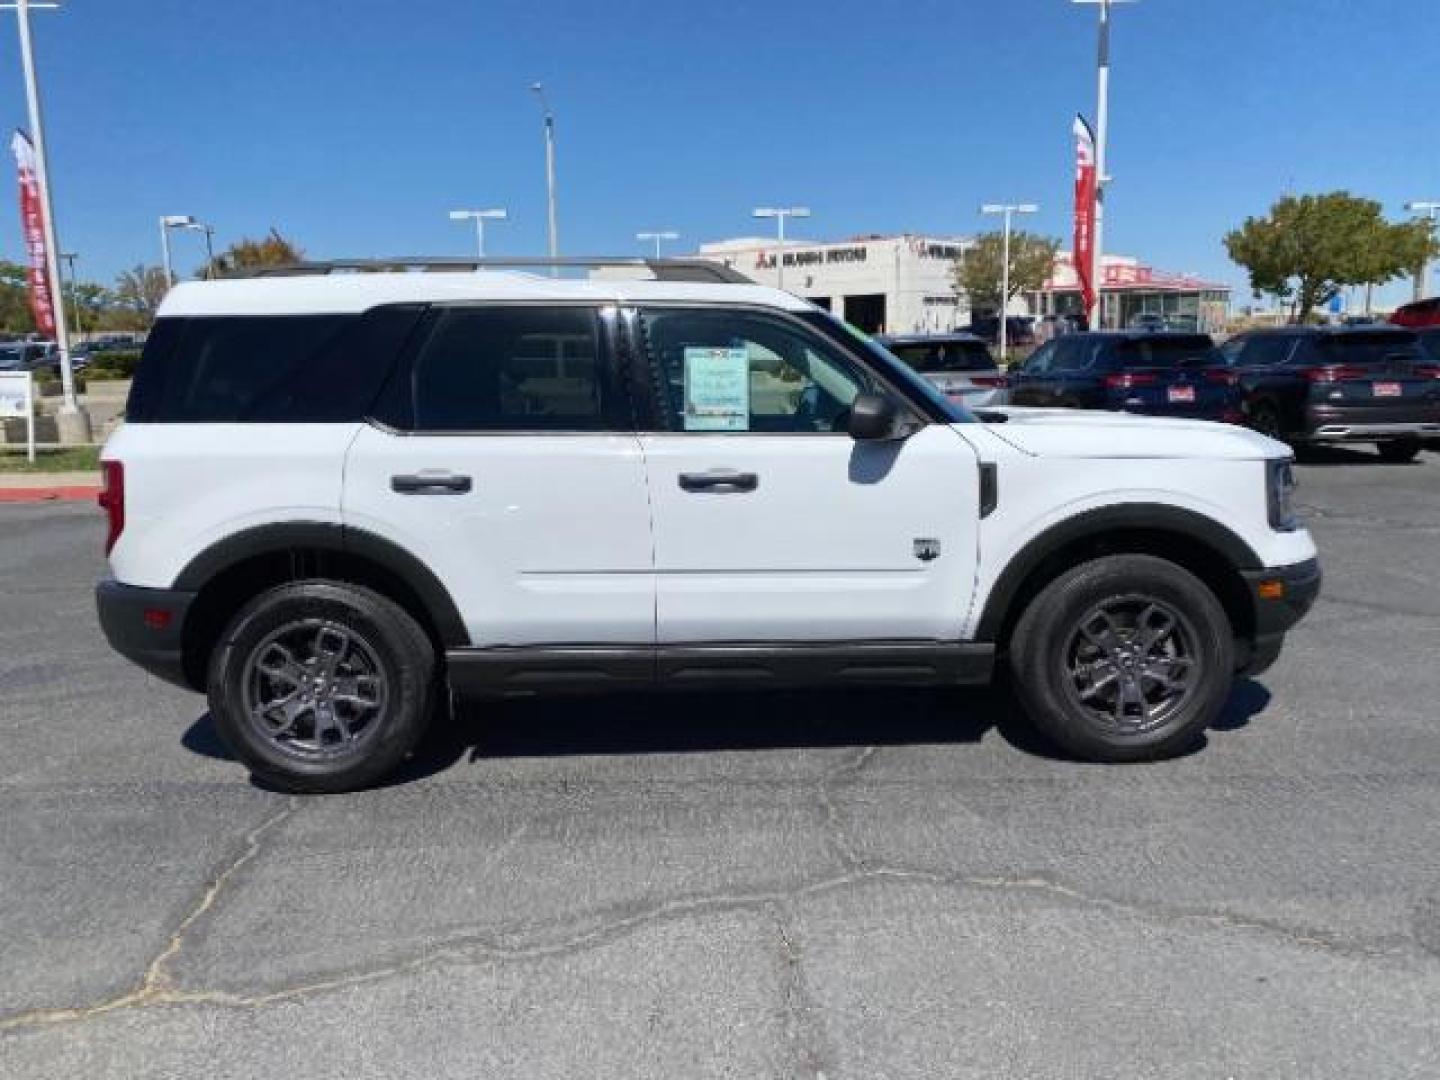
{"type": "Point", "coordinates": [1280, 494]}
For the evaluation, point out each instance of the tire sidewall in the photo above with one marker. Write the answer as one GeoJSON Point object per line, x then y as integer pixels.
{"type": "Point", "coordinates": [405, 660]}
{"type": "Point", "coordinates": [1045, 632]}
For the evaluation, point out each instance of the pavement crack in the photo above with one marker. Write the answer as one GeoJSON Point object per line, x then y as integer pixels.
{"type": "Point", "coordinates": [837, 836]}
{"type": "Point", "coordinates": [155, 985]}
{"type": "Point", "coordinates": [472, 947]}
{"type": "Point", "coordinates": [804, 1034]}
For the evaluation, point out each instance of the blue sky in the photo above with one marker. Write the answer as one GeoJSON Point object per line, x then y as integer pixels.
{"type": "Point", "coordinates": [355, 126]}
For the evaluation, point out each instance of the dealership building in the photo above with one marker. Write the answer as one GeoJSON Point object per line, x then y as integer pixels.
{"type": "Point", "coordinates": [905, 284]}
{"type": "Point", "coordinates": [1129, 289]}
{"type": "Point", "coordinates": [891, 284]}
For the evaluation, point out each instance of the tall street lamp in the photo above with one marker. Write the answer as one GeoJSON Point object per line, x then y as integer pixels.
{"type": "Point", "coordinates": [780, 213]}
{"type": "Point", "coordinates": [1102, 130]}
{"type": "Point", "coordinates": [168, 222]}
{"type": "Point", "coordinates": [1422, 278]}
{"type": "Point", "coordinates": [1009, 210]}
{"type": "Point", "coordinates": [74, 424]}
{"type": "Point", "coordinates": [538, 89]}
{"type": "Point", "coordinates": [658, 237]}
{"type": "Point", "coordinates": [479, 217]}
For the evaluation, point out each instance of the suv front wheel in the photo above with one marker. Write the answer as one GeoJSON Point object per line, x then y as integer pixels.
{"type": "Point", "coordinates": [1125, 658]}
{"type": "Point", "coordinates": [321, 686]}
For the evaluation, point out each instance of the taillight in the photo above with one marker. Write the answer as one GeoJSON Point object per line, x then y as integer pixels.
{"type": "Point", "coordinates": [1129, 380]}
{"type": "Point", "coordinates": [112, 500]}
{"type": "Point", "coordinates": [1222, 376]}
{"type": "Point", "coordinates": [1427, 371]}
{"type": "Point", "coordinates": [1338, 373]}
{"type": "Point", "coordinates": [990, 382]}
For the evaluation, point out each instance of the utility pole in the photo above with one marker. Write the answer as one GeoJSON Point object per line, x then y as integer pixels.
{"type": "Point", "coordinates": [538, 89]}
{"type": "Point", "coordinates": [1102, 138]}
{"type": "Point", "coordinates": [73, 421]}
{"type": "Point", "coordinates": [69, 257]}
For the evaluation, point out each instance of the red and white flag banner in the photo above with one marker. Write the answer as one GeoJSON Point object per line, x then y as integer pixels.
{"type": "Point", "coordinates": [32, 223]}
{"type": "Point", "coordinates": [1085, 190]}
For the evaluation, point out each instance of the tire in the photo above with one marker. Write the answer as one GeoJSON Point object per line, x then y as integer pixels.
{"type": "Point", "coordinates": [1063, 676]}
{"type": "Point", "coordinates": [1399, 451]}
{"type": "Point", "coordinates": [1265, 419]}
{"type": "Point", "coordinates": [348, 678]}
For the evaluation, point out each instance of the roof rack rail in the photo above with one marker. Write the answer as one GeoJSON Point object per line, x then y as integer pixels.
{"type": "Point", "coordinates": [702, 271]}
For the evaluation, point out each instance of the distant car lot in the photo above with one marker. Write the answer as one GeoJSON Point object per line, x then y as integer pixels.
{"type": "Point", "coordinates": [857, 884]}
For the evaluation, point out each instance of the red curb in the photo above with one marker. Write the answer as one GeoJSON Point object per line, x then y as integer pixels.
{"type": "Point", "coordinates": [48, 494]}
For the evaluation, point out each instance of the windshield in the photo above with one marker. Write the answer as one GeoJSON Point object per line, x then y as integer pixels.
{"type": "Point", "coordinates": [1171, 351]}
{"type": "Point", "coordinates": [1367, 348]}
{"type": "Point", "coordinates": [894, 369]}
{"type": "Point", "coordinates": [930, 357]}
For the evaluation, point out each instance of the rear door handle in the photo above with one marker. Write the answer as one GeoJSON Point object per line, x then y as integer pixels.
{"type": "Point", "coordinates": [719, 480]}
{"type": "Point", "coordinates": [419, 482]}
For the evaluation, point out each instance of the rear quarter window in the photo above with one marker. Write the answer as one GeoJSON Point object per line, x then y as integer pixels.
{"type": "Point", "coordinates": [323, 368]}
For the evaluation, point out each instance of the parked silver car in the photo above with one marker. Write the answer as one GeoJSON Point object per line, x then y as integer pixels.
{"type": "Point", "coordinates": [959, 364]}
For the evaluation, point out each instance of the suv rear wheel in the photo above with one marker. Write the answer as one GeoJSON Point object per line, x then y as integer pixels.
{"type": "Point", "coordinates": [321, 686]}
{"type": "Point", "coordinates": [1125, 658]}
{"type": "Point", "coordinates": [1399, 451]}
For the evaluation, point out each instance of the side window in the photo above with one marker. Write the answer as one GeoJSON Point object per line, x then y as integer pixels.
{"type": "Point", "coordinates": [1040, 360]}
{"type": "Point", "coordinates": [721, 370]}
{"type": "Point", "coordinates": [1266, 350]}
{"type": "Point", "coordinates": [1073, 353]}
{"type": "Point", "coordinates": [509, 369]}
{"type": "Point", "coordinates": [263, 368]}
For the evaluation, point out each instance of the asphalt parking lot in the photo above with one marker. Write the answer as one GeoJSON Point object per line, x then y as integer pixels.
{"type": "Point", "coordinates": [867, 885]}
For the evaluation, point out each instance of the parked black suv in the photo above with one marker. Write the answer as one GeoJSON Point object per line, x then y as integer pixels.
{"type": "Point", "coordinates": [1310, 385]}
{"type": "Point", "coordinates": [1135, 371]}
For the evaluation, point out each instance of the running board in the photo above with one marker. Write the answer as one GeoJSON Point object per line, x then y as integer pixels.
{"type": "Point", "coordinates": [524, 671]}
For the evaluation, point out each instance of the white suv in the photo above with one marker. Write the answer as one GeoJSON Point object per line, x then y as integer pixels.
{"type": "Point", "coordinates": [337, 495]}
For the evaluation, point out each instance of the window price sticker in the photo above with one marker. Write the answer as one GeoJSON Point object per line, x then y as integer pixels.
{"type": "Point", "coordinates": [717, 389]}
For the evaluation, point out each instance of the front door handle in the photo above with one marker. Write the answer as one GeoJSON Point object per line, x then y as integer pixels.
{"type": "Point", "coordinates": [719, 480]}
{"type": "Point", "coordinates": [418, 482]}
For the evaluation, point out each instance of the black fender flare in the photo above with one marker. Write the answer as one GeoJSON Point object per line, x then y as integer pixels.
{"type": "Point", "coordinates": [1094, 524]}
{"type": "Point", "coordinates": [279, 537]}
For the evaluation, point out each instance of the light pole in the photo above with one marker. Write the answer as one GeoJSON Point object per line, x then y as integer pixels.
{"type": "Point", "coordinates": [479, 217]}
{"type": "Point", "coordinates": [68, 258]}
{"type": "Point", "coordinates": [73, 422]}
{"type": "Point", "coordinates": [658, 237]}
{"type": "Point", "coordinates": [1102, 130]}
{"type": "Point", "coordinates": [780, 213]}
{"type": "Point", "coordinates": [538, 89]}
{"type": "Point", "coordinates": [1422, 278]}
{"type": "Point", "coordinates": [1009, 210]}
{"type": "Point", "coordinates": [168, 222]}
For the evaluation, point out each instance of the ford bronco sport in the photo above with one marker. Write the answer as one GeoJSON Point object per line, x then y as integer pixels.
{"type": "Point", "coordinates": [339, 497]}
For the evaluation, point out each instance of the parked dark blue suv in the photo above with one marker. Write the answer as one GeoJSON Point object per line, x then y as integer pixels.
{"type": "Point", "coordinates": [1162, 374]}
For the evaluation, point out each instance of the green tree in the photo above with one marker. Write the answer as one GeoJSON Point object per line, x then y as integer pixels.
{"type": "Point", "coordinates": [1309, 247]}
{"type": "Point", "coordinates": [271, 250]}
{"type": "Point", "coordinates": [138, 292]}
{"type": "Point", "coordinates": [978, 273]}
{"type": "Point", "coordinates": [15, 314]}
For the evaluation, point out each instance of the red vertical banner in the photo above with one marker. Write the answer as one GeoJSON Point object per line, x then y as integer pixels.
{"type": "Point", "coordinates": [33, 226]}
{"type": "Point", "coordinates": [1085, 188]}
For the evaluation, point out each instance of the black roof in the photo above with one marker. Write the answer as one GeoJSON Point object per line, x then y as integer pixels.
{"type": "Point", "coordinates": [922, 339]}
{"type": "Point", "coordinates": [1360, 330]}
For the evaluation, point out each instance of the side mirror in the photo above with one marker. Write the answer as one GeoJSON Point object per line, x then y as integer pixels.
{"type": "Point", "coordinates": [872, 416]}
